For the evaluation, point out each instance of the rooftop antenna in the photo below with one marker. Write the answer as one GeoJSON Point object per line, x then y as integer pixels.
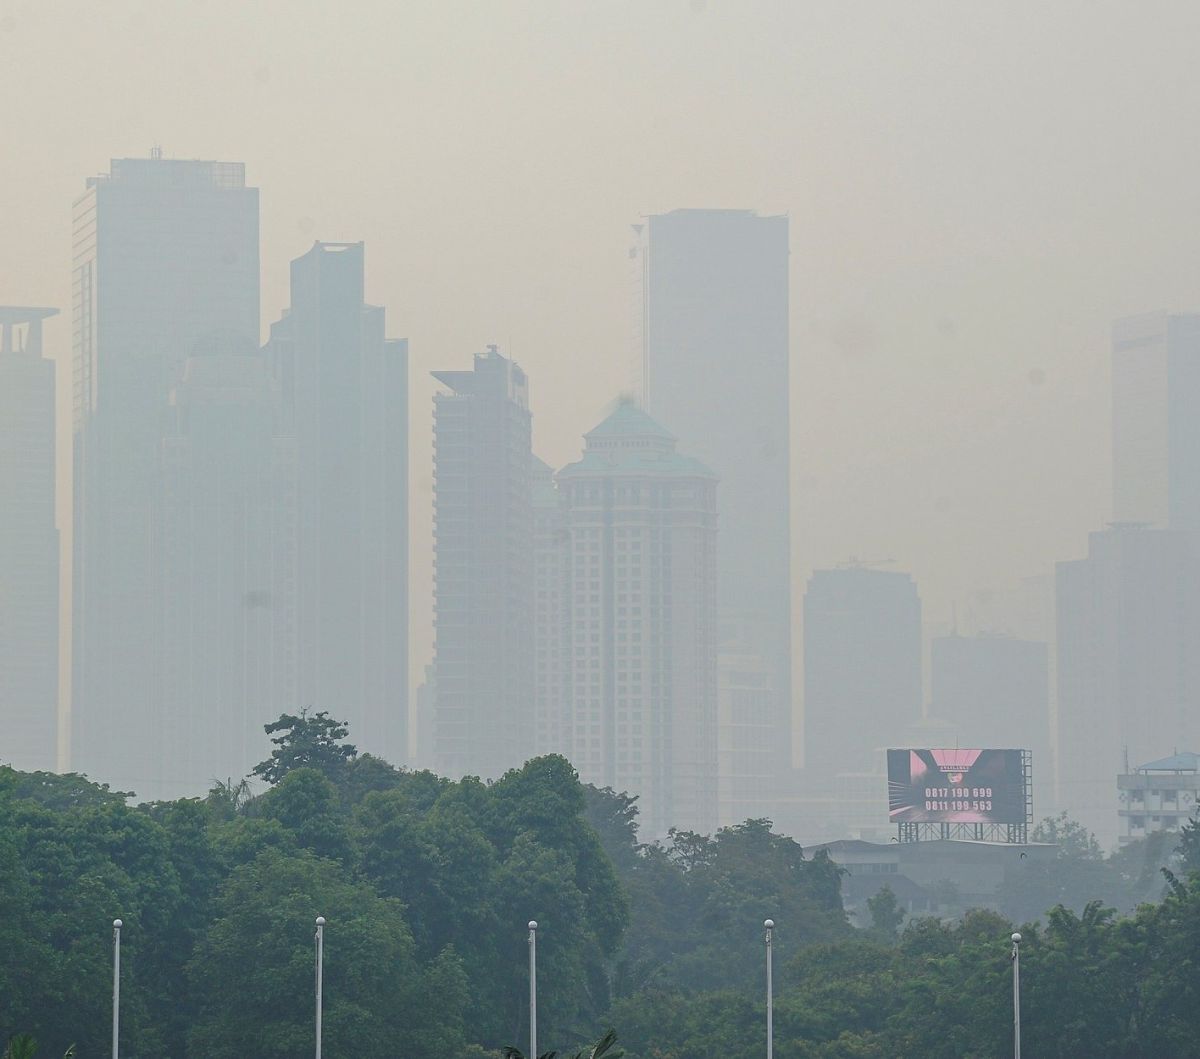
{"type": "Point", "coordinates": [156, 153]}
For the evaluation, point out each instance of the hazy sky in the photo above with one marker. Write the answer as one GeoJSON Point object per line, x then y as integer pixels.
{"type": "Point", "coordinates": [975, 190]}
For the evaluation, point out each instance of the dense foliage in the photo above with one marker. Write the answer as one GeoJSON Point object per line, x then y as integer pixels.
{"type": "Point", "coordinates": [426, 886]}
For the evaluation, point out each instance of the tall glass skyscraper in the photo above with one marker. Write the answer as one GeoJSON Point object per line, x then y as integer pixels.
{"type": "Point", "coordinates": [165, 258]}
{"type": "Point", "coordinates": [344, 385]}
{"type": "Point", "coordinates": [711, 356]}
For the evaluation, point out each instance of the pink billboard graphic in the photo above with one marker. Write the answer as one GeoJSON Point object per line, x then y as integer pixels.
{"type": "Point", "coordinates": [956, 786]}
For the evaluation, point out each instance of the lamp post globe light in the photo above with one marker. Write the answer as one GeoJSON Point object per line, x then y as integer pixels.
{"type": "Point", "coordinates": [116, 999]}
{"type": "Point", "coordinates": [320, 939]}
{"type": "Point", "coordinates": [769, 928]}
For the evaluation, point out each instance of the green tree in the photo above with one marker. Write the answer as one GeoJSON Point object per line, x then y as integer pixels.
{"type": "Point", "coordinates": [886, 913]}
{"type": "Point", "coordinates": [253, 970]}
{"type": "Point", "coordinates": [307, 740]}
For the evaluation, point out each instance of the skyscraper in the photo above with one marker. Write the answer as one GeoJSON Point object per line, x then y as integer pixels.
{"type": "Point", "coordinates": [344, 386]}
{"type": "Point", "coordinates": [1128, 684]}
{"type": "Point", "coordinates": [165, 256]}
{"type": "Point", "coordinates": [711, 354]}
{"type": "Point", "coordinates": [28, 545]}
{"type": "Point", "coordinates": [551, 631]}
{"type": "Point", "coordinates": [227, 580]}
{"type": "Point", "coordinates": [483, 574]}
{"type": "Point", "coordinates": [862, 666]}
{"type": "Point", "coordinates": [1156, 420]}
{"type": "Point", "coordinates": [995, 692]}
{"type": "Point", "coordinates": [642, 521]}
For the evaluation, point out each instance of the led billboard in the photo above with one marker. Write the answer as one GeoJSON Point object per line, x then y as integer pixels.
{"type": "Point", "coordinates": [956, 786]}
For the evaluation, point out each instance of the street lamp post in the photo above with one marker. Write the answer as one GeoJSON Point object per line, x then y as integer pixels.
{"type": "Point", "coordinates": [533, 989]}
{"type": "Point", "coordinates": [1016, 962]}
{"type": "Point", "coordinates": [320, 975]}
{"type": "Point", "coordinates": [116, 1010]}
{"type": "Point", "coordinates": [769, 926]}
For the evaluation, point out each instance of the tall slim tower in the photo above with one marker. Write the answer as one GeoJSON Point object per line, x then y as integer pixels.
{"type": "Point", "coordinates": [484, 684]}
{"type": "Point", "coordinates": [344, 385]}
{"type": "Point", "coordinates": [711, 350]}
{"type": "Point", "coordinates": [28, 545]}
{"type": "Point", "coordinates": [642, 521]}
{"type": "Point", "coordinates": [165, 256]}
{"type": "Point", "coordinates": [1156, 420]}
{"type": "Point", "coordinates": [862, 666]}
{"type": "Point", "coordinates": [551, 631]}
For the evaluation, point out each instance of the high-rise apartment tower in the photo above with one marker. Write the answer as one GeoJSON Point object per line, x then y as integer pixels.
{"type": "Point", "coordinates": [642, 521]}
{"type": "Point", "coordinates": [484, 685]}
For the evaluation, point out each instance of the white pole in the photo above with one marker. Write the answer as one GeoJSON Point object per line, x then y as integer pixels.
{"type": "Point", "coordinates": [116, 1019]}
{"type": "Point", "coordinates": [769, 924]}
{"type": "Point", "coordinates": [1016, 962]}
{"type": "Point", "coordinates": [533, 989]}
{"type": "Point", "coordinates": [320, 972]}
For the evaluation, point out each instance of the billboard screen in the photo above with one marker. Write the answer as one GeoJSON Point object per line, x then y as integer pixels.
{"type": "Point", "coordinates": [956, 786]}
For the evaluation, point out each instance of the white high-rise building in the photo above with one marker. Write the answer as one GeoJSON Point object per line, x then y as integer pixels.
{"type": "Point", "coordinates": [642, 523]}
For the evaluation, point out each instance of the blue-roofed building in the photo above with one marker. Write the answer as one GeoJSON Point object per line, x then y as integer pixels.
{"type": "Point", "coordinates": [1158, 796]}
{"type": "Point", "coordinates": [641, 521]}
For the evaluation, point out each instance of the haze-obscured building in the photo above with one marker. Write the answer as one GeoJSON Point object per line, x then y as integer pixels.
{"type": "Point", "coordinates": [995, 692]}
{"type": "Point", "coordinates": [746, 733]}
{"type": "Point", "coordinates": [344, 386]}
{"type": "Point", "coordinates": [551, 629]}
{"type": "Point", "coordinates": [484, 682]}
{"type": "Point", "coordinates": [642, 520]}
{"type": "Point", "coordinates": [1127, 664]}
{"type": "Point", "coordinates": [29, 547]}
{"type": "Point", "coordinates": [1156, 419]}
{"type": "Point", "coordinates": [227, 582]}
{"type": "Point", "coordinates": [862, 667]}
{"type": "Point", "coordinates": [1158, 796]}
{"type": "Point", "coordinates": [711, 359]}
{"type": "Point", "coordinates": [165, 258]}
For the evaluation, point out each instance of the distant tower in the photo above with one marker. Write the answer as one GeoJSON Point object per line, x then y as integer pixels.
{"type": "Point", "coordinates": [1156, 420]}
{"type": "Point", "coordinates": [862, 666]}
{"type": "Point", "coordinates": [642, 521]}
{"type": "Point", "coordinates": [166, 256]}
{"type": "Point", "coordinates": [483, 575]}
{"type": "Point", "coordinates": [994, 691]}
{"type": "Point", "coordinates": [227, 600]}
{"type": "Point", "coordinates": [551, 630]}
{"type": "Point", "coordinates": [28, 545]}
{"type": "Point", "coordinates": [345, 387]}
{"type": "Point", "coordinates": [1128, 671]}
{"type": "Point", "coordinates": [712, 356]}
